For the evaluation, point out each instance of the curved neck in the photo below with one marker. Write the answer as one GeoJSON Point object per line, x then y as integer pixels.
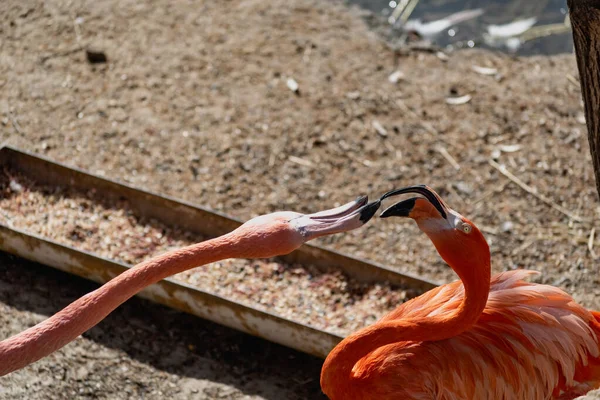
{"type": "Point", "coordinates": [337, 379]}
{"type": "Point", "coordinates": [50, 335]}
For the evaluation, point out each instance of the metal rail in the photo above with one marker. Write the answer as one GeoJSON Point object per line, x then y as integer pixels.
{"type": "Point", "coordinates": [173, 293]}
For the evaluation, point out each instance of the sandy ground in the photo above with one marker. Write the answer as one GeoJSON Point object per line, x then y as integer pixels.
{"type": "Point", "coordinates": [193, 103]}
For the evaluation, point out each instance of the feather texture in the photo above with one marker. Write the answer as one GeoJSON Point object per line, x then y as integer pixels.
{"type": "Point", "coordinates": [531, 342]}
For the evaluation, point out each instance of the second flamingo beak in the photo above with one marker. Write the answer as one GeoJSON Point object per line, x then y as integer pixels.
{"type": "Point", "coordinates": [359, 207]}
{"type": "Point", "coordinates": [340, 219]}
{"type": "Point", "coordinates": [404, 208]}
{"type": "Point", "coordinates": [400, 209]}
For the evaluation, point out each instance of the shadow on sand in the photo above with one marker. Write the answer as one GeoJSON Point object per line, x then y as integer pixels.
{"type": "Point", "coordinates": [168, 340]}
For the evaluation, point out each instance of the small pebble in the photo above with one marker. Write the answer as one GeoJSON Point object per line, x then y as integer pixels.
{"type": "Point", "coordinates": [464, 187]}
{"type": "Point", "coordinates": [96, 56]}
{"type": "Point", "coordinates": [507, 226]}
{"type": "Point", "coordinates": [396, 76]}
{"type": "Point", "coordinates": [292, 85]}
{"type": "Point", "coordinates": [15, 186]}
{"type": "Point", "coordinates": [379, 128]}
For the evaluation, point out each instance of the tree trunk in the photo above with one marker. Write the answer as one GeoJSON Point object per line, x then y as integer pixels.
{"type": "Point", "coordinates": [585, 20]}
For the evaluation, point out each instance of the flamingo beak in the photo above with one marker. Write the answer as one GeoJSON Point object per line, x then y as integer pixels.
{"type": "Point", "coordinates": [400, 209]}
{"type": "Point", "coordinates": [404, 208]}
{"type": "Point", "coordinates": [340, 219]}
{"type": "Point", "coordinates": [359, 207]}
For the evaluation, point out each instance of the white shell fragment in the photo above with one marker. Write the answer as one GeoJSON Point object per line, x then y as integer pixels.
{"type": "Point", "coordinates": [15, 186]}
{"type": "Point", "coordinates": [442, 56]}
{"type": "Point", "coordinates": [454, 101]}
{"type": "Point", "coordinates": [292, 84]}
{"type": "Point", "coordinates": [379, 128]}
{"type": "Point", "coordinates": [396, 76]}
{"type": "Point", "coordinates": [484, 70]}
{"type": "Point", "coordinates": [510, 148]}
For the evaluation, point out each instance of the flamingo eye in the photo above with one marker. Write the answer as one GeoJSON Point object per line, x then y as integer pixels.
{"type": "Point", "coordinates": [466, 228]}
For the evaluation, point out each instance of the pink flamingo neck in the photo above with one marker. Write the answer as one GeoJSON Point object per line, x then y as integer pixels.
{"type": "Point", "coordinates": [337, 379]}
{"type": "Point", "coordinates": [50, 335]}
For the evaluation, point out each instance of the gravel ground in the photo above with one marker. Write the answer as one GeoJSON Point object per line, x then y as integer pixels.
{"type": "Point", "coordinates": [194, 103]}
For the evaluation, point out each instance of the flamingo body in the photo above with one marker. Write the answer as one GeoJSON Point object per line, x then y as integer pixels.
{"type": "Point", "coordinates": [532, 341]}
{"type": "Point", "coordinates": [482, 337]}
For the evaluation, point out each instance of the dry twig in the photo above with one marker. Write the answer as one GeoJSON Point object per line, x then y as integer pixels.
{"type": "Point", "coordinates": [490, 192]}
{"type": "Point", "coordinates": [502, 169]}
{"type": "Point", "coordinates": [527, 243]}
{"type": "Point", "coordinates": [442, 150]}
{"type": "Point", "coordinates": [301, 161]}
{"type": "Point", "coordinates": [573, 80]}
{"type": "Point", "coordinates": [590, 244]}
{"type": "Point", "coordinates": [60, 54]}
{"type": "Point", "coordinates": [426, 125]}
{"type": "Point", "coordinates": [15, 124]}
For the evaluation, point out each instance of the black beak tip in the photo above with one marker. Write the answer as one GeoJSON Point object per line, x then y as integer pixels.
{"type": "Point", "coordinates": [367, 212]}
{"type": "Point", "coordinates": [362, 200]}
{"type": "Point", "coordinates": [400, 209]}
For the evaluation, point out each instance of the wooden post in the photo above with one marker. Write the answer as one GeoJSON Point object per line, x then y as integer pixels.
{"type": "Point", "coordinates": [585, 20]}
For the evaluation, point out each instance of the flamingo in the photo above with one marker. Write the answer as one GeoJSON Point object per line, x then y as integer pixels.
{"type": "Point", "coordinates": [481, 337]}
{"type": "Point", "coordinates": [261, 237]}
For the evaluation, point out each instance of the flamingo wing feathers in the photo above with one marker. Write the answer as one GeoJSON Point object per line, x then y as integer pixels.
{"type": "Point", "coordinates": [531, 342]}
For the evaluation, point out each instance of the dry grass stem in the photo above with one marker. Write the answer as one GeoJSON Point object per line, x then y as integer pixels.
{"type": "Point", "coordinates": [442, 150]}
{"type": "Point", "coordinates": [590, 244]}
{"type": "Point", "coordinates": [534, 192]}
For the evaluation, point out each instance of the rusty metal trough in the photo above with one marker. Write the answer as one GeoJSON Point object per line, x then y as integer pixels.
{"type": "Point", "coordinates": [173, 293]}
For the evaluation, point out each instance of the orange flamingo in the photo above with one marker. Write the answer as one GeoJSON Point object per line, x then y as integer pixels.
{"type": "Point", "coordinates": [482, 338]}
{"type": "Point", "coordinates": [262, 237]}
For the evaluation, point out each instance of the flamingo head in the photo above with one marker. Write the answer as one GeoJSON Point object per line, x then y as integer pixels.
{"type": "Point", "coordinates": [282, 232]}
{"type": "Point", "coordinates": [455, 237]}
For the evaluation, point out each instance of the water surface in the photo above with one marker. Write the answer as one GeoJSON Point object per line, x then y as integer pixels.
{"type": "Point", "coordinates": [495, 12]}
